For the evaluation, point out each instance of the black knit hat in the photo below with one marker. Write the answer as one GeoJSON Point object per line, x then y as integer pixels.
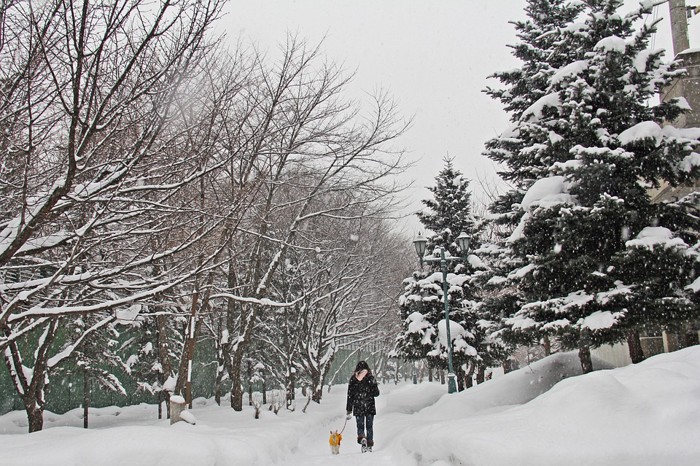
{"type": "Point", "coordinates": [362, 365]}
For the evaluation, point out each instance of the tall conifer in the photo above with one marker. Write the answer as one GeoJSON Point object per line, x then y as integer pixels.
{"type": "Point", "coordinates": [421, 306]}
{"type": "Point", "coordinates": [583, 155]}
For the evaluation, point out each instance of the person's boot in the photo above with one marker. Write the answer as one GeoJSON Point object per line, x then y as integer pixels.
{"type": "Point", "coordinates": [370, 444]}
{"type": "Point", "coordinates": [360, 438]}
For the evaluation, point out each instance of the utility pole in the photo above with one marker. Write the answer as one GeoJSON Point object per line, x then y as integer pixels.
{"type": "Point", "coordinates": [688, 86]}
{"type": "Point", "coordinates": [679, 26]}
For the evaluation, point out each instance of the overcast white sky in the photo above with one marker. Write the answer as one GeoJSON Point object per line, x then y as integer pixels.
{"type": "Point", "coordinates": [433, 56]}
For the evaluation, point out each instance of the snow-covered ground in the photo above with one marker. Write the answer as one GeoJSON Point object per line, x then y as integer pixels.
{"type": "Point", "coordinates": [647, 414]}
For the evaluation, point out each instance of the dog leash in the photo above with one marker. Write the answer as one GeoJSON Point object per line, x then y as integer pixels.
{"type": "Point", "coordinates": [346, 423]}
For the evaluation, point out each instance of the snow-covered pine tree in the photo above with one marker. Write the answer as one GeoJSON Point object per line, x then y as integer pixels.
{"type": "Point", "coordinates": [422, 305]}
{"type": "Point", "coordinates": [142, 356]}
{"type": "Point", "coordinates": [586, 152]}
{"type": "Point", "coordinates": [450, 211]}
{"type": "Point", "coordinates": [524, 85]}
{"type": "Point", "coordinates": [542, 53]}
{"type": "Point", "coordinates": [94, 358]}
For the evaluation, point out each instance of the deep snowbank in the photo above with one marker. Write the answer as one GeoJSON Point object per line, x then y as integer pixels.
{"type": "Point", "coordinates": [514, 388]}
{"type": "Point", "coordinates": [647, 414]}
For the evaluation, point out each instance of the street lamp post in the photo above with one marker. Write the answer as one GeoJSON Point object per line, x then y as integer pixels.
{"type": "Point", "coordinates": [463, 243]}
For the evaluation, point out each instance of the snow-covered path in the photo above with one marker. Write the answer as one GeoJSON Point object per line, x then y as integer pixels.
{"type": "Point", "coordinates": [642, 415]}
{"type": "Point", "coordinates": [395, 406]}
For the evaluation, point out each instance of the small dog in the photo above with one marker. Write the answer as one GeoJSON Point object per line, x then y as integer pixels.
{"type": "Point", "coordinates": [335, 442]}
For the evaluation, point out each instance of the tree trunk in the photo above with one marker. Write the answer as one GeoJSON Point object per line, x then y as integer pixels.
{"type": "Point", "coordinates": [159, 398]}
{"type": "Point", "coordinates": [461, 378]}
{"type": "Point", "coordinates": [291, 387]}
{"type": "Point", "coordinates": [217, 394]}
{"type": "Point", "coordinates": [507, 366]}
{"type": "Point", "coordinates": [689, 337]}
{"type": "Point", "coordinates": [164, 360]}
{"type": "Point", "coordinates": [264, 392]}
{"type": "Point", "coordinates": [635, 346]}
{"type": "Point", "coordinates": [183, 384]}
{"type": "Point", "coordinates": [547, 345]}
{"type": "Point", "coordinates": [467, 377]}
{"type": "Point", "coordinates": [31, 390]}
{"type": "Point", "coordinates": [249, 374]}
{"type": "Point", "coordinates": [221, 356]}
{"type": "Point", "coordinates": [317, 394]}
{"type": "Point", "coordinates": [35, 416]}
{"type": "Point", "coordinates": [584, 352]}
{"type": "Point", "coordinates": [236, 358]}
{"type": "Point", "coordinates": [584, 355]}
{"type": "Point", "coordinates": [86, 398]}
{"type": "Point", "coordinates": [236, 387]}
{"type": "Point", "coordinates": [481, 375]}
{"type": "Point", "coordinates": [166, 400]}
{"type": "Point", "coordinates": [316, 386]}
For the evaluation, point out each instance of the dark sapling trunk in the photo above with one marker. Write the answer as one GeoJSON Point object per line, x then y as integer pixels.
{"type": "Point", "coordinates": [634, 343]}
{"type": "Point", "coordinates": [86, 398]}
{"type": "Point", "coordinates": [584, 352]}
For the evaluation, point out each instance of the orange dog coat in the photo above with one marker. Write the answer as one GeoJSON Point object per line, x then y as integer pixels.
{"type": "Point", "coordinates": [335, 439]}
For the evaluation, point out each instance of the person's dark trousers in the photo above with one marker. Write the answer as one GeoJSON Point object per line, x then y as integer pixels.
{"type": "Point", "coordinates": [368, 423]}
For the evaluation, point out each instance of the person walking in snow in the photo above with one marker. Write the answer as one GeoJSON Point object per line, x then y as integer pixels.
{"type": "Point", "coordinates": [362, 389]}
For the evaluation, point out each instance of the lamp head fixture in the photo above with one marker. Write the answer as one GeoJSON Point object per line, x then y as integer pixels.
{"type": "Point", "coordinates": [463, 242]}
{"type": "Point", "coordinates": [420, 243]}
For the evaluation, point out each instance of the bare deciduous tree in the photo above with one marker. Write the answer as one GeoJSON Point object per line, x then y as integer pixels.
{"type": "Point", "coordinates": [87, 93]}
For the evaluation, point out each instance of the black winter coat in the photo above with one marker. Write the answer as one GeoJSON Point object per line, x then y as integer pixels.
{"type": "Point", "coordinates": [361, 395]}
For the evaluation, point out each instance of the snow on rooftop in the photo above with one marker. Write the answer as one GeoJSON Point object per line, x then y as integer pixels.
{"type": "Point", "coordinates": [682, 103]}
{"type": "Point", "coordinates": [652, 130]}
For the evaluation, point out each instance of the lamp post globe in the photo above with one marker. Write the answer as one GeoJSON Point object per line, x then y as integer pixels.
{"type": "Point", "coordinates": [420, 244]}
{"type": "Point", "coordinates": [463, 242]}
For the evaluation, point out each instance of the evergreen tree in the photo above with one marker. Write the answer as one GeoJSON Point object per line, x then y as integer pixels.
{"type": "Point", "coordinates": [542, 53]}
{"type": "Point", "coordinates": [141, 356]}
{"type": "Point", "coordinates": [449, 211]}
{"type": "Point", "coordinates": [422, 304]}
{"type": "Point", "coordinates": [93, 358]}
{"type": "Point", "coordinates": [584, 154]}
